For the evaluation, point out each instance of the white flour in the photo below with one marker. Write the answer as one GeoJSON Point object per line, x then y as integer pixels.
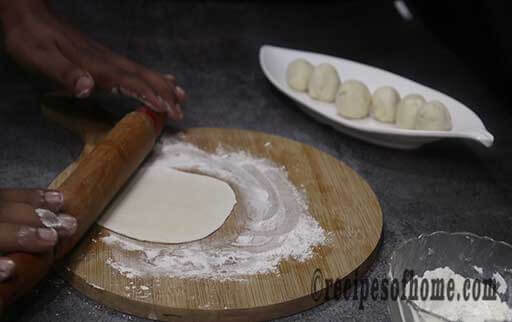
{"type": "Point", "coordinates": [48, 218]}
{"type": "Point", "coordinates": [472, 310]}
{"type": "Point", "coordinates": [276, 224]}
{"type": "Point", "coordinates": [502, 284]}
{"type": "Point", "coordinates": [478, 269]}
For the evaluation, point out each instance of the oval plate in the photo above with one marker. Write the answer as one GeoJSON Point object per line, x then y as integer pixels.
{"type": "Point", "coordinates": [466, 124]}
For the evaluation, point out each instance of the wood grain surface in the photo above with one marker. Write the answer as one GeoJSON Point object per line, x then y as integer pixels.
{"type": "Point", "coordinates": [339, 199]}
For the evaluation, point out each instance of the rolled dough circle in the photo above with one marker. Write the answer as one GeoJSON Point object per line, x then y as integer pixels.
{"type": "Point", "coordinates": [164, 205]}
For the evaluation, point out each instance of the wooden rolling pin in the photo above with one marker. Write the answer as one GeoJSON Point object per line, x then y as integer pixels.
{"type": "Point", "coordinates": [94, 183]}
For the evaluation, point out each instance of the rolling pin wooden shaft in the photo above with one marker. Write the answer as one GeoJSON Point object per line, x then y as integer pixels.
{"type": "Point", "coordinates": [94, 183]}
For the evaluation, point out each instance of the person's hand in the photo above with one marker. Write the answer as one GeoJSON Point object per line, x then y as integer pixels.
{"type": "Point", "coordinates": [38, 40]}
{"type": "Point", "coordinates": [30, 222]}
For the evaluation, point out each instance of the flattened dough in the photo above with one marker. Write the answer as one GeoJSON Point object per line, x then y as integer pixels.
{"type": "Point", "coordinates": [168, 206]}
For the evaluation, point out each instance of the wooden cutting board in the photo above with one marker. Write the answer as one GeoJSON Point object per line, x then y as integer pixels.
{"type": "Point", "coordinates": [339, 199]}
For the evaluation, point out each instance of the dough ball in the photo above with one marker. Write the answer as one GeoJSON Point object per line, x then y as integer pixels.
{"type": "Point", "coordinates": [324, 83]}
{"type": "Point", "coordinates": [433, 116]}
{"type": "Point", "coordinates": [298, 74]}
{"type": "Point", "coordinates": [407, 109]}
{"type": "Point", "coordinates": [384, 102]}
{"type": "Point", "coordinates": [353, 100]}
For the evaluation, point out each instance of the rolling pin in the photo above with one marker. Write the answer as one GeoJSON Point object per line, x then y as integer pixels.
{"type": "Point", "coordinates": [87, 191]}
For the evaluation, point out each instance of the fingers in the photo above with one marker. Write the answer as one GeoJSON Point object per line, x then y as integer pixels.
{"type": "Point", "coordinates": [121, 75]}
{"type": "Point", "coordinates": [26, 226]}
{"type": "Point", "coordinates": [23, 214]}
{"type": "Point", "coordinates": [19, 213]}
{"type": "Point", "coordinates": [21, 238]}
{"type": "Point", "coordinates": [37, 198]}
{"type": "Point", "coordinates": [7, 267]}
{"type": "Point", "coordinates": [164, 86]}
{"type": "Point", "coordinates": [83, 86]}
{"type": "Point", "coordinates": [72, 78]}
{"type": "Point", "coordinates": [64, 224]}
{"type": "Point", "coordinates": [181, 95]}
{"type": "Point", "coordinates": [108, 75]}
{"type": "Point", "coordinates": [80, 64]}
{"type": "Point", "coordinates": [151, 90]}
{"type": "Point", "coordinates": [148, 87]}
{"type": "Point", "coordinates": [130, 85]}
{"type": "Point", "coordinates": [52, 63]}
{"type": "Point", "coordinates": [166, 92]}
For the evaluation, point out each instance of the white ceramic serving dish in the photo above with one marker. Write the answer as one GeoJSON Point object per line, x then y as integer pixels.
{"type": "Point", "coordinates": [466, 124]}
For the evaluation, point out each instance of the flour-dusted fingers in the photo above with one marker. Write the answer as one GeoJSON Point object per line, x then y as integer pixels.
{"type": "Point", "coordinates": [37, 198]}
{"type": "Point", "coordinates": [24, 214]}
{"type": "Point", "coordinates": [7, 267]}
{"type": "Point", "coordinates": [21, 238]}
{"type": "Point", "coordinates": [64, 224]}
{"type": "Point", "coordinates": [166, 91]}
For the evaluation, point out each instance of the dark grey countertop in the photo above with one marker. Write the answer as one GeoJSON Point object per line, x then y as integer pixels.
{"type": "Point", "coordinates": [212, 48]}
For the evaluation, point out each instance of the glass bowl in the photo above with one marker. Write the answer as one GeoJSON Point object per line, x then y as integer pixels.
{"type": "Point", "coordinates": [467, 254]}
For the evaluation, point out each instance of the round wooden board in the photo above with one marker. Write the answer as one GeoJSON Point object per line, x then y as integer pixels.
{"type": "Point", "coordinates": [339, 199]}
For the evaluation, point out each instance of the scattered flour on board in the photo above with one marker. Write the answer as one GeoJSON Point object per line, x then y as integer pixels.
{"type": "Point", "coordinates": [276, 224]}
{"type": "Point", "coordinates": [472, 310]}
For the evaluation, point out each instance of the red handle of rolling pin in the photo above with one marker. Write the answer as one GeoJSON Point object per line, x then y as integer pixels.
{"type": "Point", "coordinates": [157, 118]}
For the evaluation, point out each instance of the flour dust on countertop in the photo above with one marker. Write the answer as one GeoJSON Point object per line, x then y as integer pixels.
{"type": "Point", "coordinates": [275, 223]}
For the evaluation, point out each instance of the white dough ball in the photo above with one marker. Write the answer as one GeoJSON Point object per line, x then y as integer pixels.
{"type": "Point", "coordinates": [298, 74]}
{"type": "Point", "coordinates": [407, 109]}
{"type": "Point", "coordinates": [353, 100]}
{"type": "Point", "coordinates": [384, 102]}
{"type": "Point", "coordinates": [433, 116]}
{"type": "Point", "coordinates": [324, 83]}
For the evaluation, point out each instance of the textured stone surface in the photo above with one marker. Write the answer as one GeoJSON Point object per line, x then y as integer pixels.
{"type": "Point", "coordinates": [212, 48]}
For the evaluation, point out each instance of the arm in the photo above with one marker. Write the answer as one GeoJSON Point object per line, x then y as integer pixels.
{"type": "Point", "coordinates": [39, 41]}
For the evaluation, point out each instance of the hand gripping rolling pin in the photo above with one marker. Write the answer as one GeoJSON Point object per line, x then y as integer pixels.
{"type": "Point", "coordinates": [87, 191]}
